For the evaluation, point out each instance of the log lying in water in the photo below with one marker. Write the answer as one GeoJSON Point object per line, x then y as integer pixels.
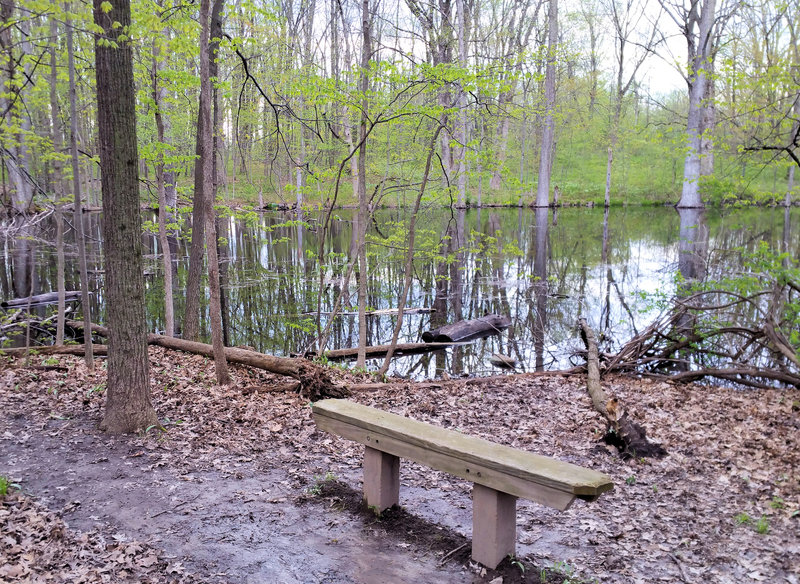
{"type": "Point", "coordinates": [464, 330]}
{"type": "Point", "coordinates": [381, 312]}
{"type": "Point", "coordinates": [46, 298]}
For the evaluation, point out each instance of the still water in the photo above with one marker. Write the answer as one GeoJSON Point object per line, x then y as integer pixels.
{"type": "Point", "coordinates": [542, 268]}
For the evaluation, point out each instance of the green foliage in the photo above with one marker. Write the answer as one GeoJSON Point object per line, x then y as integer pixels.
{"type": "Point", "coordinates": [6, 485]}
{"type": "Point", "coordinates": [762, 525]}
{"type": "Point", "coordinates": [319, 483]}
{"type": "Point", "coordinates": [741, 518]}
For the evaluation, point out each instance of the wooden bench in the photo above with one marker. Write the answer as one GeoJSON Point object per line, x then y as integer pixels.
{"type": "Point", "coordinates": [500, 474]}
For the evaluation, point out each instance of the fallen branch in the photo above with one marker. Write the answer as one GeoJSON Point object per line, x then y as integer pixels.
{"type": "Point", "coordinates": [46, 298]}
{"type": "Point", "coordinates": [314, 382]}
{"type": "Point", "coordinates": [381, 350]}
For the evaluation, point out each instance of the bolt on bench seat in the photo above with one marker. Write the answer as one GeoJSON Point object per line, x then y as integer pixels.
{"type": "Point", "coordinates": [500, 473]}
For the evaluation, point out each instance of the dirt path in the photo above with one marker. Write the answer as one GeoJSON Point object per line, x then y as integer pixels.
{"type": "Point", "coordinates": [243, 488]}
{"type": "Point", "coordinates": [244, 527]}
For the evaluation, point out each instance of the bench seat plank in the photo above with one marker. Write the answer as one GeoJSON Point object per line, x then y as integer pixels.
{"type": "Point", "coordinates": [523, 474]}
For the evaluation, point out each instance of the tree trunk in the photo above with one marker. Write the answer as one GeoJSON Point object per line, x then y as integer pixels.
{"type": "Point", "coordinates": [58, 182]}
{"type": "Point", "coordinates": [462, 107]}
{"type": "Point", "coordinates": [363, 204]}
{"type": "Point", "coordinates": [700, 64]}
{"type": "Point", "coordinates": [628, 436]}
{"type": "Point", "coordinates": [207, 165]}
{"type": "Point", "coordinates": [548, 132]}
{"type": "Point", "coordinates": [166, 255]}
{"type": "Point", "coordinates": [191, 320]}
{"type": "Point", "coordinates": [18, 122]}
{"type": "Point", "coordinates": [80, 239]}
{"type": "Point", "coordinates": [128, 406]}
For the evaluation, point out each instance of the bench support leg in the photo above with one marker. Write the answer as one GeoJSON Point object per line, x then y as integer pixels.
{"type": "Point", "coordinates": [381, 479]}
{"type": "Point", "coordinates": [494, 525]}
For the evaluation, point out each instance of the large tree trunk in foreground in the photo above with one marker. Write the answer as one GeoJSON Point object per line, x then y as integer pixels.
{"type": "Point", "coordinates": [628, 436]}
{"type": "Point", "coordinates": [128, 407]}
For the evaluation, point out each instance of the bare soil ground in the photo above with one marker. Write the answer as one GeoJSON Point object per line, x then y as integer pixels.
{"type": "Point", "coordinates": [241, 487]}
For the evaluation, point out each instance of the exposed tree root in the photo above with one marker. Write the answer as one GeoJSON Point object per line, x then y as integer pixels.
{"type": "Point", "coordinates": [629, 437]}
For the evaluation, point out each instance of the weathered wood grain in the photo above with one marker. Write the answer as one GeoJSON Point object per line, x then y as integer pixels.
{"type": "Point", "coordinates": [538, 478]}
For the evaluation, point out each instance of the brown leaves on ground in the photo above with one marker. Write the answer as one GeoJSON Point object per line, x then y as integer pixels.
{"type": "Point", "coordinates": [721, 507]}
{"type": "Point", "coordinates": [39, 547]}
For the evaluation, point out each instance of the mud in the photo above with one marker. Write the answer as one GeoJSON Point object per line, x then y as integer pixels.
{"type": "Point", "coordinates": [247, 528]}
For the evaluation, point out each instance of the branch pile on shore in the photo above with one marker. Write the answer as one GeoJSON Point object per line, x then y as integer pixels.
{"type": "Point", "coordinates": [706, 334]}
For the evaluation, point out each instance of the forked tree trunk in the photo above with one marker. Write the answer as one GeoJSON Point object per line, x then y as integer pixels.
{"type": "Point", "coordinates": [701, 58]}
{"type": "Point", "coordinates": [128, 406]}
{"type": "Point", "coordinates": [207, 165]}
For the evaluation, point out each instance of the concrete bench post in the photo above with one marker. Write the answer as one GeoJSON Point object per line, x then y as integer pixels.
{"type": "Point", "coordinates": [381, 479]}
{"type": "Point", "coordinates": [494, 525]}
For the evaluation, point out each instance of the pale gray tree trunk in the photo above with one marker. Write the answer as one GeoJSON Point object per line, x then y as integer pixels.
{"type": "Point", "coordinates": [700, 44]}
{"type": "Point", "coordinates": [159, 95]}
{"type": "Point", "coordinates": [58, 182]}
{"type": "Point", "coordinates": [16, 153]}
{"type": "Point", "coordinates": [548, 132]}
{"type": "Point", "coordinates": [462, 108]}
{"type": "Point", "coordinates": [80, 239]}
{"type": "Point", "coordinates": [363, 203]}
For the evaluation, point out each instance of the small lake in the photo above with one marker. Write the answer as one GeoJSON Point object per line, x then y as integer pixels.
{"type": "Point", "coordinates": [542, 268]}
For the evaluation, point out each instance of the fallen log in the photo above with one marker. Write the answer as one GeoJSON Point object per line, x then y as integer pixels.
{"type": "Point", "coordinates": [314, 381]}
{"type": "Point", "coordinates": [38, 299]}
{"type": "Point", "coordinates": [53, 350]}
{"type": "Point", "coordinates": [381, 350]}
{"type": "Point", "coordinates": [503, 361]}
{"type": "Point", "coordinates": [380, 312]}
{"type": "Point", "coordinates": [464, 330]}
{"type": "Point", "coordinates": [626, 435]}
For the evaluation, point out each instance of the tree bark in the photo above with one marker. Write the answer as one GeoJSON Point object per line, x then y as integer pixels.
{"type": "Point", "coordinates": [166, 255]}
{"type": "Point", "coordinates": [128, 406]}
{"type": "Point", "coordinates": [207, 162]}
{"type": "Point", "coordinates": [191, 319]}
{"type": "Point", "coordinates": [701, 62]}
{"type": "Point", "coordinates": [628, 436]}
{"type": "Point", "coordinates": [491, 324]}
{"type": "Point", "coordinates": [80, 238]}
{"type": "Point", "coordinates": [363, 204]}
{"type": "Point", "coordinates": [548, 132]}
